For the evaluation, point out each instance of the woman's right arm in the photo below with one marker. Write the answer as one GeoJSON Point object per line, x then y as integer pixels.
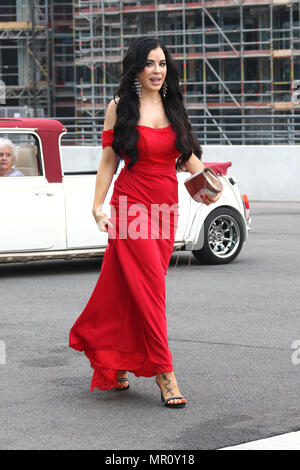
{"type": "Point", "coordinates": [105, 172]}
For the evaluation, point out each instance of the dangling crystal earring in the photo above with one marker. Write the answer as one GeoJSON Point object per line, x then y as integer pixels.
{"type": "Point", "coordinates": [164, 89]}
{"type": "Point", "coordinates": [138, 87]}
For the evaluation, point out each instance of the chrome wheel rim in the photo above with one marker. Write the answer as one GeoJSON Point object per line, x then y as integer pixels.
{"type": "Point", "coordinates": [224, 236]}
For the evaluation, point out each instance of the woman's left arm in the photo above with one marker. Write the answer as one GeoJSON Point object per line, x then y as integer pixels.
{"type": "Point", "coordinates": [193, 165]}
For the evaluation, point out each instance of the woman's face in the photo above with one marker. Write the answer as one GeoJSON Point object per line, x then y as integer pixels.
{"type": "Point", "coordinates": [6, 159]}
{"type": "Point", "coordinates": [155, 70]}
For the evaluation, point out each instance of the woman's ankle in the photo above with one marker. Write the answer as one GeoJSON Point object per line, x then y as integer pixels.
{"type": "Point", "coordinates": [165, 375]}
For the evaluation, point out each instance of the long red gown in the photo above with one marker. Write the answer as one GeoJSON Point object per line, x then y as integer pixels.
{"type": "Point", "coordinates": [124, 324]}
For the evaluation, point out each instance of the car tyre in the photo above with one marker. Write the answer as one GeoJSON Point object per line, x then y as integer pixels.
{"type": "Point", "coordinates": [223, 237]}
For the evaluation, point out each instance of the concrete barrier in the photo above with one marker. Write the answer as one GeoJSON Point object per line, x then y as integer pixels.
{"type": "Point", "coordinates": [263, 172]}
{"type": "Point", "coordinates": [80, 158]}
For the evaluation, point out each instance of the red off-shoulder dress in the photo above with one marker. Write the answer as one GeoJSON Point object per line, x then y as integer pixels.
{"type": "Point", "coordinates": [124, 324]}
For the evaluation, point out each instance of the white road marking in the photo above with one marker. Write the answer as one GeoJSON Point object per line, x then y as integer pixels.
{"type": "Point", "coordinates": [289, 441]}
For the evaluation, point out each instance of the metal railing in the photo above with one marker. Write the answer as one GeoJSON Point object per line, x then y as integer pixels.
{"type": "Point", "coordinates": [210, 129]}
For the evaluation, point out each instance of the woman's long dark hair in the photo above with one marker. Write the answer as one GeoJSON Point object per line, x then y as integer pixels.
{"type": "Point", "coordinates": [128, 114]}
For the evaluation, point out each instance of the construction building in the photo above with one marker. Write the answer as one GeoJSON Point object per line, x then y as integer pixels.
{"type": "Point", "coordinates": [239, 62]}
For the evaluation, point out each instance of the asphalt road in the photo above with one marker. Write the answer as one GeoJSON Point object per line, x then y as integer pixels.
{"type": "Point", "coordinates": [231, 330]}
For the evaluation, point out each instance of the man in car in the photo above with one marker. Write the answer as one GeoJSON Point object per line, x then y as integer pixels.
{"type": "Point", "coordinates": [8, 158]}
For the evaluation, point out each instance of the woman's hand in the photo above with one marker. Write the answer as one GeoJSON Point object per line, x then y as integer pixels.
{"type": "Point", "coordinates": [193, 165]}
{"type": "Point", "coordinates": [102, 220]}
{"type": "Point", "coordinates": [207, 200]}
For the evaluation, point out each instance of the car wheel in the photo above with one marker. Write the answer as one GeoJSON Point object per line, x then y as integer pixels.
{"type": "Point", "coordinates": [223, 237]}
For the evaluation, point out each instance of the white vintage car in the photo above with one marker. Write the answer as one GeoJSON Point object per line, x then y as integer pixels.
{"type": "Point", "coordinates": [47, 213]}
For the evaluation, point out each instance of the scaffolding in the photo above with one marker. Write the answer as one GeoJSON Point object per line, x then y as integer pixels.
{"type": "Point", "coordinates": [62, 56]}
{"type": "Point", "coordinates": [37, 57]}
{"type": "Point", "coordinates": [238, 60]}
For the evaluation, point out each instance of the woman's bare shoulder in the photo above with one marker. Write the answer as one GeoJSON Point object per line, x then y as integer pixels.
{"type": "Point", "coordinates": [111, 114]}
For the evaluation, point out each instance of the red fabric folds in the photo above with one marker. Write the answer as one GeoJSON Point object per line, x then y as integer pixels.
{"type": "Point", "coordinates": [107, 138]}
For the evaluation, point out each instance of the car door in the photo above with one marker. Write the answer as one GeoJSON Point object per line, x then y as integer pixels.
{"type": "Point", "coordinates": [184, 207]}
{"type": "Point", "coordinates": [81, 229]}
{"type": "Point", "coordinates": [31, 211]}
{"type": "Point", "coordinates": [80, 168]}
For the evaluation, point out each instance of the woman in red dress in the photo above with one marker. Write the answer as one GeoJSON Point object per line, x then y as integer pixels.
{"type": "Point", "coordinates": [123, 327]}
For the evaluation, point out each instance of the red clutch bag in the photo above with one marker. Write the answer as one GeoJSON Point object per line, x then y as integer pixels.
{"type": "Point", "coordinates": [205, 182]}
